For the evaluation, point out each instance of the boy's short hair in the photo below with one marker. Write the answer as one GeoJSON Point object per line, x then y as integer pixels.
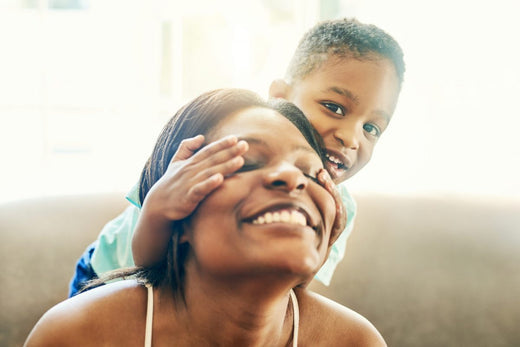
{"type": "Point", "coordinates": [344, 38]}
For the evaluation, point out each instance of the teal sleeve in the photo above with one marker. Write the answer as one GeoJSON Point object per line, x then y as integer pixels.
{"type": "Point", "coordinates": [337, 251]}
{"type": "Point", "coordinates": [114, 247]}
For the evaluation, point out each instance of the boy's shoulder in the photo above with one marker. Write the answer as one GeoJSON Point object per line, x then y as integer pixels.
{"type": "Point", "coordinates": [93, 318]}
{"type": "Point", "coordinates": [327, 322]}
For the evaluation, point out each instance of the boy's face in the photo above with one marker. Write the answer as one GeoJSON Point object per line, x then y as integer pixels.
{"type": "Point", "coordinates": [350, 102]}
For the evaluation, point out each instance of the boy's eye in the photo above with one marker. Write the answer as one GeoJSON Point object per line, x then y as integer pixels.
{"type": "Point", "coordinates": [334, 108]}
{"type": "Point", "coordinates": [372, 129]}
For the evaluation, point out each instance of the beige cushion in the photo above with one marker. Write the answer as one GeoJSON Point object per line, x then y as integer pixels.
{"type": "Point", "coordinates": [40, 242]}
{"type": "Point", "coordinates": [427, 271]}
{"type": "Point", "coordinates": [435, 271]}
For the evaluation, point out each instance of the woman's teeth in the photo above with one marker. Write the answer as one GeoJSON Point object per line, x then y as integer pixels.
{"type": "Point", "coordinates": [283, 216]}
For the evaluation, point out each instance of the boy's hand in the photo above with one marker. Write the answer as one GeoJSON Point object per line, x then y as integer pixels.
{"type": "Point", "coordinates": [191, 177]}
{"type": "Point", "coordinates": [341, 213]}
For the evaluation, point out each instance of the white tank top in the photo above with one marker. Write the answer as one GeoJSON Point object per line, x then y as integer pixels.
{"type": "Point", "coordinates": [149, 318]}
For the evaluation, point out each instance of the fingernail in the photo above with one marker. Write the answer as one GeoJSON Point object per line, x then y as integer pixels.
{"type": "Point", "coordinates": [243, 145]}
{"type": "Point", "coordinates": [230, 138]}
{"type": "Point", "coordinates": [238, 161]}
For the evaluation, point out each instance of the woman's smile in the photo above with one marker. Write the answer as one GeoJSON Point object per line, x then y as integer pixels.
{"type": "Point", "coordinates": [285, 215]}
{"type": "Point", "coordinates": [284, 212]}
{"type": "Point", "coordinates": [285, 218]}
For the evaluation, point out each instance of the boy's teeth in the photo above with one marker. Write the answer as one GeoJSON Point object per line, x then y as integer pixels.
{"type": "Point", "coordinates": [334, 159]}
{"type": "Point", "coordinates": [284, 216]}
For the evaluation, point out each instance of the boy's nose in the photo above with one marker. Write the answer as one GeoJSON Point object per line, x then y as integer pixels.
{"type": "Point", "coordinates": [286, 177]}
{"type": "Point", "coordinates": [348, 137]}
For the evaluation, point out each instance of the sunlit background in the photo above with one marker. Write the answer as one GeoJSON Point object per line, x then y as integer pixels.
{"type": "Point", "coordinates": [86, 86]}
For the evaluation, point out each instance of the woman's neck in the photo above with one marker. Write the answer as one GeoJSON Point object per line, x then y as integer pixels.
{"type": "Point", "coordinates": [253, 311]}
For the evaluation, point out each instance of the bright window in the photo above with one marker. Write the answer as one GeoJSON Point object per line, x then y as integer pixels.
{"type": "Point", "coordinates": [86, 86]}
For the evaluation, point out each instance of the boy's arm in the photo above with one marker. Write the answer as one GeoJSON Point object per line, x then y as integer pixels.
{"type": "Point", "coordinates": [188, 179]}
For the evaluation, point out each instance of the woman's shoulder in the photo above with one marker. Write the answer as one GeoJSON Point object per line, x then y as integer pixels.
{"type": "Point", "coordinates": [94, 317]}
{"type": "Point", "coordinates": [328, 322]}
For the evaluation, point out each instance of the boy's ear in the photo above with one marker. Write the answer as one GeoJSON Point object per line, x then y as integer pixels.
{"type": "Point", "coordinates": [279, 89]}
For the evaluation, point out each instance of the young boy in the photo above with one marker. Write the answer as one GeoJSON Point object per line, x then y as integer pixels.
{"type": "Point", "coordinates": [346, 77]}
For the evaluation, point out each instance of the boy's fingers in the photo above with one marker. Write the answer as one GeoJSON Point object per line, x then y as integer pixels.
{"type": "Point", "coordinates": [225, 168]}
{"type": "Point", "coordinates": [227, 143]}
{"type": "Point", "coordinates": [213, 158]}
{"type": "Point", "coordinates": [188, 147]}
{"type": "Point", "coordinates": [213, 178]}
{"type": "Point", "coordinates": [200, 190]}
{"type": "Point", "coordinates": [340, 222]}
{"type": "Point", "coordinates": [341, 214]}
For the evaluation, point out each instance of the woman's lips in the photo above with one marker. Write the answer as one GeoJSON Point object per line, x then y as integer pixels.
{"type": "Point", "coordinates": [283, 212]}
{"type": "Point", "coordinates": [286, 215]}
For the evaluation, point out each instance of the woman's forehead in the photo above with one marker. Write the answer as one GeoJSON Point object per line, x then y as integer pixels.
{"type": "Point", "coordinates": [264, 124]}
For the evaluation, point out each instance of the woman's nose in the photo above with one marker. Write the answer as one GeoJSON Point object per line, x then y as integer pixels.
{"type": "Point", "coordinates": [286, 177]}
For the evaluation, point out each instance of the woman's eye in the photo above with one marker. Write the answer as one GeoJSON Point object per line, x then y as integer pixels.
{"type": "Point", "coordinates": [312, 178]}
{"type": "Point", "coordinates": [372, 130]}
{"type": "Point", "coordinates": [248, 167]}
{"type": "Point", "coordinates": [336, 109]}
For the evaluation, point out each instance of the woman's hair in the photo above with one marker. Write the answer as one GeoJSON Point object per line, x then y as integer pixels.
{"type": "Point", "coordinates": [200, 116]}
{"type": "Point", "coordinates": [196, 117]}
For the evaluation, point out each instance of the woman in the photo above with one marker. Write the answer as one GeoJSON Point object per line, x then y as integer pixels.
{"type": "Point", "coordinates": [236, 267]}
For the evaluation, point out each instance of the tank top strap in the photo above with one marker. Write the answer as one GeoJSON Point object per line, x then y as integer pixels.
{"type": "Point", "coordinates": [296, 317]}
{"type": "Point", "coordinates": [149, 317]}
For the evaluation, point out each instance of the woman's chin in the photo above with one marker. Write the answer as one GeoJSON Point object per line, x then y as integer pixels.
{"type": "Point", "coordinates": [304, 268]}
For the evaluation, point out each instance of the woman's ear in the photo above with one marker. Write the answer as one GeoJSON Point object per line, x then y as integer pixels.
{"type": "Point", "coordinates": [185, 233]}
{"type": "Point", "coordinates": [279, 89]}
{"type": "Point", "coordinates": [184, 239]}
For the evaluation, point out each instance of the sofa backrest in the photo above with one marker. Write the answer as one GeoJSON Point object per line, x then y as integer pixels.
{"type": "Point", "coordinates": [40, 242]}
{"type": "Point", "coordinates": [434, 271]}
{"type": "Point", "coordinates": [439, 271]}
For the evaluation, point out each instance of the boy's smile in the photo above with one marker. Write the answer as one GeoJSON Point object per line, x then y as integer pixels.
{"type": "Point", "coordinates": [350, 103]}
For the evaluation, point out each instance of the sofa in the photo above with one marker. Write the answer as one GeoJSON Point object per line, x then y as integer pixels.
{"type": "Point", "coordinates": [426, 270]}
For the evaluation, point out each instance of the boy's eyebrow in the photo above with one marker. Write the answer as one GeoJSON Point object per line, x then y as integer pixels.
{"type": "Point", "coordinates": [257, 141]}
{"type": "Point", "coordinates": [383, 114]}
{"type": "Point", "coordinates": [344, 92]}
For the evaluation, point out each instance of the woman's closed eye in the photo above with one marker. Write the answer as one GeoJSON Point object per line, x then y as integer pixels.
{"type": "Point", "coordinates": [250, 165]}
{"type": "Point", "coordinates": [312, 178]}
{"type": "Point", "coordinates": [247, 167]}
